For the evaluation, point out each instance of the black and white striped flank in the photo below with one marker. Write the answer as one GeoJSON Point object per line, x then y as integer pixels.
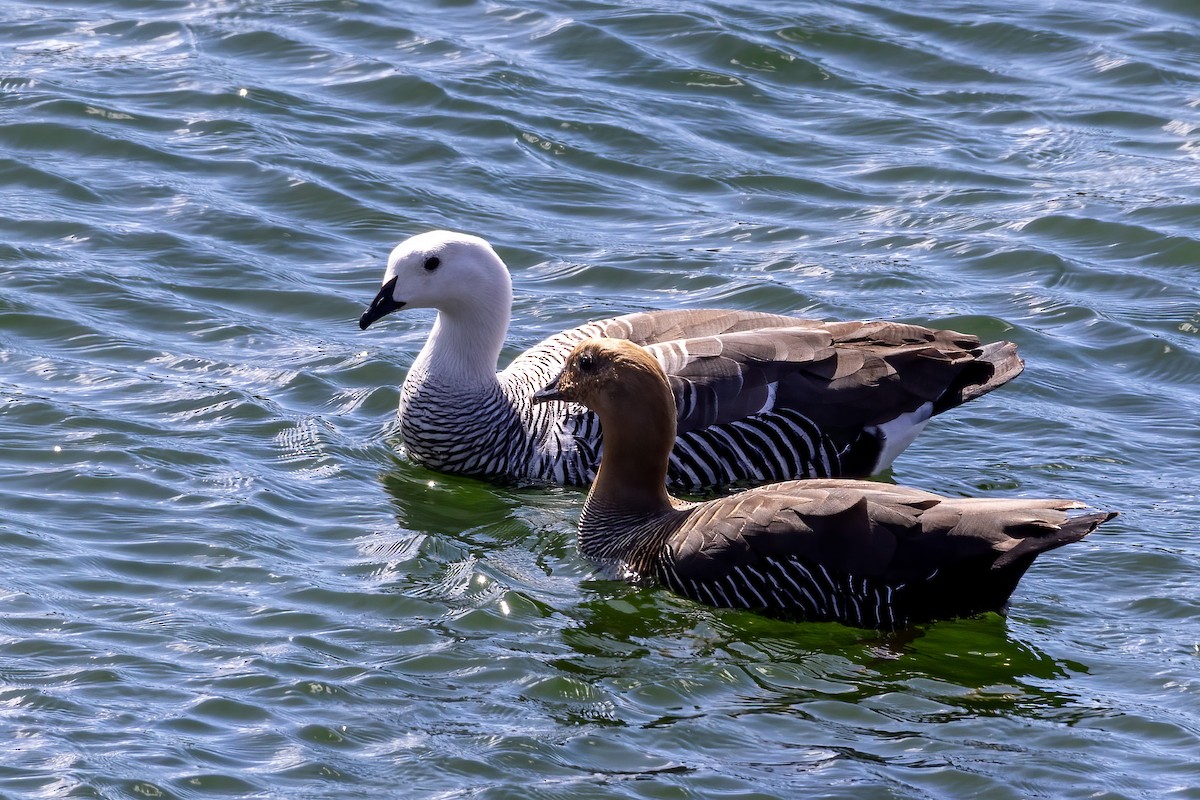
{"type": "Point", "coordinates": [759, 397]}
{"type": "Point", "coordinates": [864, 554]}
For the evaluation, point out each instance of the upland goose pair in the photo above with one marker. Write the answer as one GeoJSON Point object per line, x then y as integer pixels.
{"type": "Point", "coordinates": [716, 397]}
{"type": "Point", "coordinates": [858, 552]}
{"type": "Point", "coordinates": [759, 397]}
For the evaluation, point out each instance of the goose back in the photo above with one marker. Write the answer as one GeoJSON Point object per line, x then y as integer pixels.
{"type": "Point", "coordinates": [760, 398]}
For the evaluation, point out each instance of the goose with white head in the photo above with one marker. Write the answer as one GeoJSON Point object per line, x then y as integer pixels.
{"type": "Point", "coordinates": [857, 552]}
{"type": "Point", "coordinates": [759, 397]}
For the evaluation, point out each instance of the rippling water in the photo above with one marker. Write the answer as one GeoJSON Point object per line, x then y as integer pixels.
{"type": "Point", "coordinates": [220, 580]}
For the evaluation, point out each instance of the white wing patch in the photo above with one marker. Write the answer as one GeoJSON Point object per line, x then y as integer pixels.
{"type": "Point", "coordinates": [769, 403]}
{"type": "Point", "coordinates": [899, 432]}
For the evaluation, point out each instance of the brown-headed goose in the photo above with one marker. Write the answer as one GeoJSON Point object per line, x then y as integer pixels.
{"type": "Point", "coordinates": [858, 552]}
{"type": "Point", "coordinates": [760, 397]}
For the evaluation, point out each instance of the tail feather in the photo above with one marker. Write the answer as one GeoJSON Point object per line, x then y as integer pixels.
{"type": "Point", "coordinates": [1074, 529]}
{"type": "Point", "coordinates": [996, 364]}
{"type": "Point", "coordinates": [987, 581]}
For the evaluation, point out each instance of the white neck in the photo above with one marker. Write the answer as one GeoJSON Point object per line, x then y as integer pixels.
{"type": "Point", "coordinates": [464, 345]}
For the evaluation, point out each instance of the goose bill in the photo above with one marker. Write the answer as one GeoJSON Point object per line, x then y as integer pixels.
{"type": "Point", "coordinates": [382, 305]}
{"type": "Point", "coordinates": [549, 392]}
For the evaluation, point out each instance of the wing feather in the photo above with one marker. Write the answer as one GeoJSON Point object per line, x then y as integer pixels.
{"type": "Point", "coordinates": [866, 388]}
{"type": "Point", "coordinates": [868, 530]}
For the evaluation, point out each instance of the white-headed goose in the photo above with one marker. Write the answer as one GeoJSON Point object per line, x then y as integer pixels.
{"type": "Point", "coordinates": [760, 397]}
{"type": "Point", "coordinates": [858, 552]}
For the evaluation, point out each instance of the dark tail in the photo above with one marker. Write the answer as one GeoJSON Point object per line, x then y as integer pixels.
{"type": "Point", "coordinates": [1034, 545]}
{"type": "Point", "coordinates": [1007, 571]}
{"type": "Point", "coordinates": [995, 364]}
{"type": "Point", "coordinates": [985, 584]}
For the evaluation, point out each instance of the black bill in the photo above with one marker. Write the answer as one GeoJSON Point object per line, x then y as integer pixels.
{"type": "Point", "coordinates": [382, 305]}
{"type": "Point", "coordinates": [548, 393]}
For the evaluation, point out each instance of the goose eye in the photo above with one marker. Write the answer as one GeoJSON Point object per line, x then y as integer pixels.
{"type": "Point", "coordinates": [432, 263]}
{"type": "Point", "coordinates": [587, 362]}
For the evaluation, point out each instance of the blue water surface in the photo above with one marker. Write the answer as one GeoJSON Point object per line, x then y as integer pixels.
{"type": "Point", "coordinates": [222, 580]}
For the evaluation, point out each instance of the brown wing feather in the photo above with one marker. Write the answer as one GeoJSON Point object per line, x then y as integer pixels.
{"type": "Point", "coordinates": [849, 380]}
{"type": "Point", "coordinates": [868, 530]}
{"type": "Point", "coordinates": [726, 365]}
{"type": "Point", "coordinates": [825, 391]}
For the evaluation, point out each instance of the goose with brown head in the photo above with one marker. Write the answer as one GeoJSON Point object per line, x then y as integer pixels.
{"type": "Point", "coordinates": [858, 552]}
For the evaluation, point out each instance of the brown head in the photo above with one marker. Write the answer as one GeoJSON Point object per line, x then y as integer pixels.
{"type": "Point", "coordinates": [609, 376]}
{"type": "Point", "coordinates": [627, 389]}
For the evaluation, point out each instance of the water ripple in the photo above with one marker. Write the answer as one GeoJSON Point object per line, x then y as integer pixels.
{"type": "Point", "coordinates": [222, 579]}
